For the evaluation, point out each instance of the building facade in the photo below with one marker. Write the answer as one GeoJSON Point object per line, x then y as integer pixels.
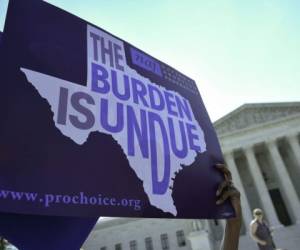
{"type": "Point", "coordinates": [260, 144]}
{"type": "Point", "coordinates": [261, 147]}
{"type": "Point", "coordinates": [148, 234]}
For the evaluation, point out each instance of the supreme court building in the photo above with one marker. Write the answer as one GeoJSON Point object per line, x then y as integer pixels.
{"type": "Point", "coordinates": [261, 147]}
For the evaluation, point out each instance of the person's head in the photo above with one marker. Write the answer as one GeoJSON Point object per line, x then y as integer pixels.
{"type": "Point", "coordinates": [258, 213]}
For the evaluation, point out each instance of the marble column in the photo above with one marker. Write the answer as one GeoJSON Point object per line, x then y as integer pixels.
{"type": "Point", "coordinates": [293, 141]}
{"type": "Point", "coordinates": [246, 209]}
{"type": "Point", "coordinates": [223, 223]}
{"type": "Point", "coordinates": [215, 235]}
{"type": "Point", "coordinates": [197, 225]}
{"type": "Point", "coordinates": [199, 240]}
{"type": "Point", "coordinates": [290, 195]}
{"type": "Point", "coordinates": [261, 187]}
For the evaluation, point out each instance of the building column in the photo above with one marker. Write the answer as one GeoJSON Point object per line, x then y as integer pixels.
{"type": "Point", "coordinates": [199, 240]}
{"type": "Point", "coordinates": [286, 184]}
{"type": "Point", "coordinates": [293, 141]}
{"type": "Point", "coordinates": [262, 189]}
{"type": "Point", "coordinates": [214, 236]}
{"type": "Point", "coordinates": [223, 223]}
{"type": "Point", "coordinates": [199, 237]}
{"type": "Point", "coordinates": [246, 209]}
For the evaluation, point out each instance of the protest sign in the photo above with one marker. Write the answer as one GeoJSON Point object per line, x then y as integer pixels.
{"type": "Point", "coordinates": [92, 125]}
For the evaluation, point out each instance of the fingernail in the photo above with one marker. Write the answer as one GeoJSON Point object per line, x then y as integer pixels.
{"type": "Point", "coordinates": [217, 193]}
{"type": "Point", "coordinates": [218, 202]}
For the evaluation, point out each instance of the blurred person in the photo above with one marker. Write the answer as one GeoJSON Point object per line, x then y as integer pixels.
{"type": "Point", "coordinates": [260, 231]}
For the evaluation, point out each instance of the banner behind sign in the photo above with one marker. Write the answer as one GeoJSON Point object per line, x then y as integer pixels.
{"type": "Point", "coordinates": [94, 126]}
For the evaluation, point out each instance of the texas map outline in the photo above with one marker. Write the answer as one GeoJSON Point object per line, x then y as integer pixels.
{"type": "Point", "coordinates": [145, 151]}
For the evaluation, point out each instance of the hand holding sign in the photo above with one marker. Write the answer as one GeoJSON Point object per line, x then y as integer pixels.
{"type": "Point", "coordinates": [227, 190]}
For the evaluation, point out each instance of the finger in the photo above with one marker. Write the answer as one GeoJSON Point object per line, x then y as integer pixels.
{"type": "Point", "coordinates": [220, 165]}
{"type": "Point", "coordinates": [231, 193]}
{"type": "Point", "coordinates": [224, 170]}
{"type": "Point", "coordinates": [225, 195]}
{"type": "Point", "coordinates": [227, 174]}
{"type": "Point", "coordinates": [222, 186]}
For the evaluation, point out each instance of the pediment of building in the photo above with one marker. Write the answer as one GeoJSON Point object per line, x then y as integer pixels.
{"type": "Point", "coordinates": [250, 115]}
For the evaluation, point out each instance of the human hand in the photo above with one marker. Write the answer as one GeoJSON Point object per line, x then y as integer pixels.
{"type": "Point", "coordinates": [227, 190]}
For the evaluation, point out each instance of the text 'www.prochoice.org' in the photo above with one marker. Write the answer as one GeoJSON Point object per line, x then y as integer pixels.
{"type": "Point", "coordinates": [79, 199]}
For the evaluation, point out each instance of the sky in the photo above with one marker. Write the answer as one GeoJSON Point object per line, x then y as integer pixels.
{"type": "Point", "coordinates": [237, 51]}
